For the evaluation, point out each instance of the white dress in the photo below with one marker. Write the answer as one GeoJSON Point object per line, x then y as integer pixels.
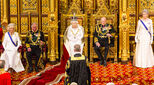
{"type": "Point", "coordinates": [74, 36]}
{"type": "Point", "coordinates": [144, 54]}
{"type": "Point", "coordinates": [11, 54]}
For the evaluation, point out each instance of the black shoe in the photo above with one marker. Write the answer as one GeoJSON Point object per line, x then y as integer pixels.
{"type": "Point", "coordinates": [101, 62]}
{"type": "Point", "coordinates": [30, 70]}
{"type": "Point", "coordinates": [36, 69]}
{"type": "Point", "coordinates": [105, 64]}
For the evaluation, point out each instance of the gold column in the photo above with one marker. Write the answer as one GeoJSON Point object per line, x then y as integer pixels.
{"type": "Point", "coordinates": [52, 7]}
{"type": "Point", "coordinates": [19, 19]}
{"type": "Point", "coordinates": [137, 10]}
{"type": "Point", "coordinates": [51, 38]}
{"type": "Point", "coordinates": [86, 38]}
{"type": "Point", "coordinates": [4, 8]}
{"type": "Point", "coordinates": [57, 53]}
{"type": "Point", "coordinates": [124, 31]}
{"type": "Point", "coordinates": [53, 31]}
{"type": "Point", "coordinates": [40, 15]}
{"type": "Point", "coordinates": [82, 4]}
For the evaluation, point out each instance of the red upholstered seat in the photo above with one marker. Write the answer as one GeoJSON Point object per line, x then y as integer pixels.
{"type": "Point", "coordinates": [1, 49]}
{"type": "Point", "coordinates": [1, 33]}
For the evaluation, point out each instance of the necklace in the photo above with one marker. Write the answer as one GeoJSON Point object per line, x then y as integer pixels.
{"type": "Point", "coordinates": [75, 33]}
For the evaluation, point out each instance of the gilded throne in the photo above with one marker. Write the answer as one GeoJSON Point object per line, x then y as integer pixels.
{"type": "Point", "coordinates": [95, 20]}
{"type": "Point", "coordinates": [65, 22]}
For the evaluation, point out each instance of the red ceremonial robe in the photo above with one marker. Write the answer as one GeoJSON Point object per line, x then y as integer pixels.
{"type": "Point", "coordinates": [50, 75]}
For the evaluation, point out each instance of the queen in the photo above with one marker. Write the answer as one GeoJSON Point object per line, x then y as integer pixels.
{"type": "Point", "coordinates": [144, 37]}
{"type": "Point", "coordinates": [74, 35]}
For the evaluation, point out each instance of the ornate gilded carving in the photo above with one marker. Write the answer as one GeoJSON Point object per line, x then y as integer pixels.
{"type": "Point", "coordinates": [100, 2]}
{"type": "Point", "coordinates": [152, 17]}
{"type": "Point", "coordinates": [132, 5]}
{"type": "Point", "coordinates": [89, 6]}
{"type": "Point", "coordinates": [24, 25]}
{"type": "Point", "coordinates": [13, 7]}
{"type": "Point", "coordinates": [103, 10]}
{"type": "Point", "coordinates": [145, 4]}
{"type": "Point", "coordinates": [62, 6]}
{"type": "Point", "coordinates": [45, 6]}
{"type": "Point", "coordinates": [132, 24]}
{"type": "Point", "coordinates": [45, 24]}
{"type": "Point", "coordinates": [132, 15]}
{"type": "Point", "coordinates": [75, 8]}
{"type": "Point", "coordinates": [29, 5]}
{"type": "Point", "coordinates": [124, 53]}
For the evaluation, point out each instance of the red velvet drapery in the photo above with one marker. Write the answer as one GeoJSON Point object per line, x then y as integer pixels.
{"type": "Point", "coordinates": [51, 75]}
{"type": "Point", "coordinates": [5, 79]}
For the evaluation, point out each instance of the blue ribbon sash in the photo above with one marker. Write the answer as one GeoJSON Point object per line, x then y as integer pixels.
{"type": "Point", "coordinates": [12, 40]}
{"type": "Point", "coordinates": [145, 27]}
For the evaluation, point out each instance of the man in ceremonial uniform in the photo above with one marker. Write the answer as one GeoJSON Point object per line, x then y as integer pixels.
{"type": "Point", "coordinates": [77, 69]}
{"type": "Point", "coordinates": [34, 41]}
{"type": "Point", "coordinates": [103, 33]}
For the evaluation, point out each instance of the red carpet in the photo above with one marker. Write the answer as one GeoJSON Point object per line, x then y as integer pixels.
{"type": "Point", "coordinates": [100, 75]}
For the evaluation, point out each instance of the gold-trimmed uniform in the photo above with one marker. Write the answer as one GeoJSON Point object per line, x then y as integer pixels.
{"type": "Point", "coordinates": [100, 36]}
{"type": "Point", "coordinates": [33, 40]}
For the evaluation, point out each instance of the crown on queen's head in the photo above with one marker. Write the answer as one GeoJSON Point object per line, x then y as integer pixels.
{"type": "Point", "coordinates": [74, 18]}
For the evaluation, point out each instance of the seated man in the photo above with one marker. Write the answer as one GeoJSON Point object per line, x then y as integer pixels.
{"type": "Point", "coordinates": [34, 40]}
{"type": "Point", "coordinates": [102, 35]}
{"type": "Point", "coordinates": [77, 69]}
